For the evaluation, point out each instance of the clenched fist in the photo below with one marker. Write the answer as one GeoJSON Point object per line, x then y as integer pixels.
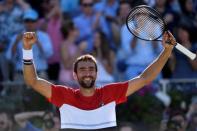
{"type": "Point", "coordinates": [168, 40]}
{"type": "Point", "coordinates": [29, 38]}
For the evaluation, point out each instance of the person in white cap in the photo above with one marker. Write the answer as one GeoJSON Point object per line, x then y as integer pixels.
{"type": "Point", "coordinates": [89, 107]}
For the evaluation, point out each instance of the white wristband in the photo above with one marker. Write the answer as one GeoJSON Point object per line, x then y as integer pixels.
{"type": "Point", "coordinates": [27, 54]}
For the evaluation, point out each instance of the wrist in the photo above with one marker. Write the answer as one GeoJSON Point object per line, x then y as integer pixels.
{"type": "Point", "coordinates": [27, 47]}
{"type": "Point", "coordinates": [27, 54]}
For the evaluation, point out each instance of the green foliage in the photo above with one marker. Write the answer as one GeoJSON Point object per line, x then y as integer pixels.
{"type": "Point", "coordinates": [145, 108]}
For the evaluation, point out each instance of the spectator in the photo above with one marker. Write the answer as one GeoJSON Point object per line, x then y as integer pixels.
{"type": "Point", "coordinates": [88, 22]}
{"type": "Point", "coordinates": [167, 13]}
{"type": "Point", "coordinates": [181, 66]}
{"type": "Point", "coordinates": [51, 24]}
{"type": "Point", "coordinates": [135, 54]}
{"type": "Point", "coordinates": [175, 5]}
{"type": "Point", "coordinates": [108, 9]}
{"type": "Point", "coordinates": [42, 50]}
{"type": "Point", "coordinates": [177, 121]}
{"type": "Point", "coordinates": [170, 17]}
{"type": "Point", "coordinates": [189, 17]}
{"type": "Point", "coordinates": [11, 12]}
{"type": "Point", "coordinates": [50, 122]}
{"type": "Point", "coordinates": [122, 12]}
{"type": "Point", "coordinates": [12, 23]}
{"type": "Point", "coordinates": [6, 121]}
{"type": "Point", "coordinates": [105, 62]}
{"type": "Point", "coordinates": [69, 52]}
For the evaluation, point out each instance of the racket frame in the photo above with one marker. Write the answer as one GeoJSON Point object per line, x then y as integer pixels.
{"type": "Point", "coordinates": [178, 46]}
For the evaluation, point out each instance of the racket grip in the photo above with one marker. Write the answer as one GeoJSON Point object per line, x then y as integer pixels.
{"type": "Point", "coordinates": [185, 51]}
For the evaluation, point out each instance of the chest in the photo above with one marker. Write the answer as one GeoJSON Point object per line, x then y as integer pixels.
{"type": "Point", "coordinates": [88, 103]}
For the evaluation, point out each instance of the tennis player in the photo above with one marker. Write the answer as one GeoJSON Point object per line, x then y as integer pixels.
{"type": "Point", "coordinates": [89, 107]}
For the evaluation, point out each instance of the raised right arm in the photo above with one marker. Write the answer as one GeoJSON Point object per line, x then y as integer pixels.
{"type": "Point", "coordinates": [30, 76]}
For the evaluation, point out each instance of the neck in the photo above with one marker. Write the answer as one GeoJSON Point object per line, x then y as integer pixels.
{"type": "Point", "coordinates": [87, 92]}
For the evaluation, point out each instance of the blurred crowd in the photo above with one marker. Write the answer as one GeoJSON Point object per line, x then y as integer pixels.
{"type": "Point", "coordinates": [67, 29]}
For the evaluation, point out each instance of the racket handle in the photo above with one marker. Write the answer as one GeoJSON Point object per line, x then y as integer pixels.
{"type": "Point", "coordinates": [185, 51]}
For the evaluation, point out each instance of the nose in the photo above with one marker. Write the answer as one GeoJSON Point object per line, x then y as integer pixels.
{"type": "Point", "coordinates": [87, 74]}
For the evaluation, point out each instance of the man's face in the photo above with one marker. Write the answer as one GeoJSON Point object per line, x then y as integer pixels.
{"type": "Point", "coordinates": [180, 119]}
{"type": "Point", "coordinates": [86, 74]}
{"type": "Point", "coordinates": [31, 25]}
{"type": "Point", "coordinates": [87, 6]}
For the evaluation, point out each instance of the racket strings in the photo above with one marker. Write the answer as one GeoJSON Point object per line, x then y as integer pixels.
{"type": "Point", "coordinates": [145, 24]}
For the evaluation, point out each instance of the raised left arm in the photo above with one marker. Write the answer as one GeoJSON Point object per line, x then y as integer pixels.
{"type": "Point", "coordinates": [151, 72]}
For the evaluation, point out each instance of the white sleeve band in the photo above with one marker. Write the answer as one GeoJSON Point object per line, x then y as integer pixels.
{"type": "Point", "coordinates": [27, 54]}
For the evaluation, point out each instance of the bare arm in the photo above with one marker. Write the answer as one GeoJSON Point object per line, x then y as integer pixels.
{"type": "Point", "coordinates": [151, 72]}
{"type": "Point", "coordinates": [22, 118]}
{"type": "Point", "coordinates": [29, 72]}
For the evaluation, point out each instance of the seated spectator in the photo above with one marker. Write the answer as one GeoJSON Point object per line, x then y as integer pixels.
{"type": "Point", "coordinates": [42, 49]}
{"type": "Point", "coordinates": [6, 121]}
{"type": "Point", "coordinates": [177, 121]}
{"type": "Point", "coordinates": [50, 122]}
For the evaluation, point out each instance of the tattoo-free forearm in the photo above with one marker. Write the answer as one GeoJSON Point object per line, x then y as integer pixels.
{"type": "Point", "coordinates": [40, 85]}
{"type": "Point", "coordinates": [151, 72]}
{"type": "Point", "coordinates": [30, 75]}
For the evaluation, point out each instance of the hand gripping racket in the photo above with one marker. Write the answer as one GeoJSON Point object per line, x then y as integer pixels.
{"type": "Point", "coordinates": [146, 23]}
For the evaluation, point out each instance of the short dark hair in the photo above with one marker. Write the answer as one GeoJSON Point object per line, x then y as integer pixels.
{"type": "Point", "coordinates": [81, 2]}
{"type": "Point", "coordinates": [86, 58]}
{"type": "Point", "coordinates": [66, 27]}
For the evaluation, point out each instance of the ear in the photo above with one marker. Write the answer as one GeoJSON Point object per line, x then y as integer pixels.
{"type": "Point", "coordinates": [74, 76]}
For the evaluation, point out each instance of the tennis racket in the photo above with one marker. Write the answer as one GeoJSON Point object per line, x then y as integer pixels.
{"type": "Point", "coordinates": [146, 23]}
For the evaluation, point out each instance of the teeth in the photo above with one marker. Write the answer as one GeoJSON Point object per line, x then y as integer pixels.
{"type": "Point", "coordinates": [87, 78]}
